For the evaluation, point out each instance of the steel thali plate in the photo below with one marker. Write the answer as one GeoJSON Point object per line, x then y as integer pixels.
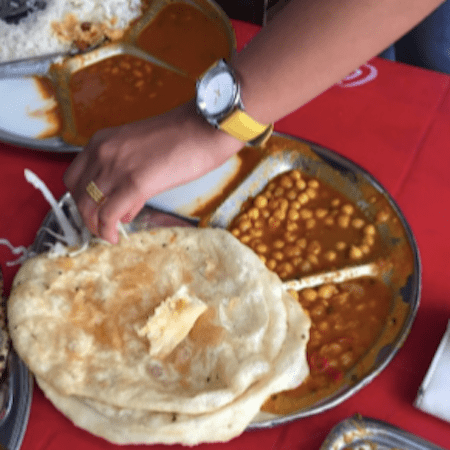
{"type": "Point", "coordinates": [363, 433]}
{"type": "Point", "coordinates": [16, 390]}
{"type": "Point", "coordinates": [26, 117]}
{"type": "Point", "coordinates": [358, 186]}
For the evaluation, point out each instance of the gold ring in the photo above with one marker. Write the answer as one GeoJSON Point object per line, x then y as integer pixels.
{"type": "Point", "coordinates": [94, 192]}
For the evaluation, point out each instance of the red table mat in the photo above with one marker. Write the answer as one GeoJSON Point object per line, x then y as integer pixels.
{"type": "Point", "coordinates": [392, 119]}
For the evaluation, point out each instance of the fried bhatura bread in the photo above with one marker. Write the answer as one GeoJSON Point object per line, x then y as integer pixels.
{"type": "Point", "coordinates": [123, 426]}
{"type": "Point", "coordinates": [76, 322]}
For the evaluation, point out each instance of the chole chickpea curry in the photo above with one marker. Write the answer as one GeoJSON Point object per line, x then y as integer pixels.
{"type": "Point", "coordinates": [184, 39]}
{"type": "Point", "coordinates": [299, 226]}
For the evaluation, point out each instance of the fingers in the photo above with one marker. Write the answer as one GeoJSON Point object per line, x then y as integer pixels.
{"type": "Point", "coordinates": [121, 206]}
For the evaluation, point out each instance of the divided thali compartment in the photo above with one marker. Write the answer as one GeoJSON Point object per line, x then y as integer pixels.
{"type": "Point", "coordinates": [44, 118]}
{"type": "Point", "coordinates": [403, 276]}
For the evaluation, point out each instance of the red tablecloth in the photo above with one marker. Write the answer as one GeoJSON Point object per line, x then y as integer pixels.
{"type": "Point", "coordinates": [392, 119]}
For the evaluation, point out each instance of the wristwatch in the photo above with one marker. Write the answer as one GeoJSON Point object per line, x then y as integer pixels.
{"type": "Point", "coordinates": [219, 102]}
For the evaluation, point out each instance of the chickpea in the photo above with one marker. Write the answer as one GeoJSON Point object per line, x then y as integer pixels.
{"type": "Point", "coordinates": [310, 224]}
{"type": "Point", "coordinates": [253, 213]}
{"type": "Point", "coordinates": [327, 291]}
{"type": "Point", "coordinates": [342, 298]}
{"type": "Point", "coordinates": [245, 225]}
{"type": "Point", "coordinates": [271, 264]}
{"type": "Point", "coordinates": [306, 266]}
{"type": "Point", "coordinates": [278, 256]}
{"type": "Point", "coordinates": [286, 182]}
{"type": "Point", "coordinates": [347, 359]}
{"type": "Point", "coordinates": [330, 256]}
{"type": "Point", "coordinates": [287, 268]}
{"type": "Point", "coordinates": [259, 224]}
{"type": "Point", "coordinates": [341, 245]}
{"type": "Point", "coordinates": [335, 202]}
{"type": "Point", "coordinates": [306, 213]}
{"type": "Point", "coordinates": [265, 213]}
{"type": "Point", "coordinates": [273, 222]}
{"type": "Point", "coordinates": [382, 216]}
{"type": "Point", "coordinates": [300, 184]}
{"type": "Point", "coordinates": [291, 195]}
{"type": "Point", "coordinates": [293, 250]}
{"type": "Point", "coordinates": [358, 223]}
{"type": "Point", "coordinates": [273, 204]}
{"type": "Point", "coordinates": [321, 213]}
{"type": "Point", "coordinates": [365, 249]}
{"type": "Point", "coordinates": [329, 221]}
{"type": "Point", "coordinates": [348, 209]}
{"type": "Point", "coordinates": [368, 240]}
{"type": "Point", "coordinates": [283, 204]}
{"type": "Point", "coordinates": [295, 174]}
{"type": "Point", "coordinates": [370, 230]}
{"type": "Point", "coordinates": [318, 311]}
{"type": "Point", "coordinates": [279, 214]}
{"type": "Point", "coordinates": [334, 348]}
{"type": "Point", "coordinates": [290, 237]}
{"type": "Point", "coordinates": [245, 239]}
{"type": "Point", "coordinates": [312, 193]}
{"type": "Point", "coordinates": [278, 244]}
{"type": "Point", "coordinates": [260, 201]}
{"type": "Point", "coordinates": [313, 184]}
{"type": "Point", "coordinates": [262, 258]}
{"type": "Point", "coordinates": [295, 204]}
{"type": "Point", "coordinates": [310, 294]}
{"type": "Point", "coordinates": [278, 192]}
{"type": "Point", "coordinates": [323, 326]}
{"type": "Point", "coordinates": [262, 248]}
{"type": "Point", "coordinates": [344, 221]}
{"type": "Point", "coordinates": [271, 186]}
{"type": "Point", "coordinates": [355, 252]}
{"type": "Point", "coordinates": [291, 226]}
{"type": "Point", "coordinates": [235, 232]}
{"type": "Point", "coordinates": [314, 247]}
{"type": "Point", "coordinates": [293, 214]}
{"type": "Point", "coordinates": [302, 243]}
{"type": "Point", "coordinates": [313, 259]}
{"type": "Point", "coordinates": [256, 233]}
{"type": "Point", "coordinates": [303, 198]}
{"type": "Point", "coordinates": [296, 261]}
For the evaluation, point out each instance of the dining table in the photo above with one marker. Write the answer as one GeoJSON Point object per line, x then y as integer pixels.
{"type": "Point", "coordinates": [391, 119]}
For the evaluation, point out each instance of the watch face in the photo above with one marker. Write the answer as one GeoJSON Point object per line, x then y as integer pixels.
{"type": "Point", "coordinates": [216, 94]}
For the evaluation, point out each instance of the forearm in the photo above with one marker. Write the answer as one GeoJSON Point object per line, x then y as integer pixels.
{"type": "Point", "coordinates": [312, 44]}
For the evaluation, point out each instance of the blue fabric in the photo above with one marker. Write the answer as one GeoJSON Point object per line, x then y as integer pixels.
{"type": "Point", "coordinates": [428, 44]}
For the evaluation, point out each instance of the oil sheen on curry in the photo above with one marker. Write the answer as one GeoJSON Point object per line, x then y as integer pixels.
{"type": "Point", "coordinates": [123, 87]}
{"type": "Point", "coordinates": [300, 226]}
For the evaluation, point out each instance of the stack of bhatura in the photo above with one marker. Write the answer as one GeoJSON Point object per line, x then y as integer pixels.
{"type": "Point", "coordinates": [174, 335]}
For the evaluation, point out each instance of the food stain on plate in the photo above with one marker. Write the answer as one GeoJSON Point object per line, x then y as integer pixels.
{"type": "Point", "coordinates": [28, 108]}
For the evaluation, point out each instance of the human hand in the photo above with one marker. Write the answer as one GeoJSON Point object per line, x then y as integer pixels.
{"type": "Point", "coordinates": [134, 162]}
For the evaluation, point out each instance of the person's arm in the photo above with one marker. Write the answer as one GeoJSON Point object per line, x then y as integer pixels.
{"type": "Point", "coordinates": [313, 44]}
{"type": "Point", "coordinates": [309, 46]}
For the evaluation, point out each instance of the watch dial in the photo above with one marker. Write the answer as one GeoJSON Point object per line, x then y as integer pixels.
{"type": "Point", "coordinates": [216, 95]}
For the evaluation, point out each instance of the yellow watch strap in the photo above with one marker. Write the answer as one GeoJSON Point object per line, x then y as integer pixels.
{"type": "Point", "coordinates": [240, 125]}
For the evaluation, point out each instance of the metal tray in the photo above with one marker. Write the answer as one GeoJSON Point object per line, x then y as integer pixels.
{"type": "Point", "coordinates": [357, 185]}
{"type": "Point", "coordinates": [19, 123]}
{"type": "Point", "coordinates": [363, 433]}
{"type": "Point", "coordinates": [17, 411]}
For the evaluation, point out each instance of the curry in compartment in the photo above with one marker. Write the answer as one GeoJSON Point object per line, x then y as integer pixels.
{"type": "Point", "coordinates": [298, 226]}
{"type": "Point", "coordinates": [185, 37]}
{"type": "Point", "coordinates": [122, 89]}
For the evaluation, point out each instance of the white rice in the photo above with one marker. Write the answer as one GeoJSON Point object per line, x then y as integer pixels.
{"type": "Point", "coordinates": [34, 34]}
